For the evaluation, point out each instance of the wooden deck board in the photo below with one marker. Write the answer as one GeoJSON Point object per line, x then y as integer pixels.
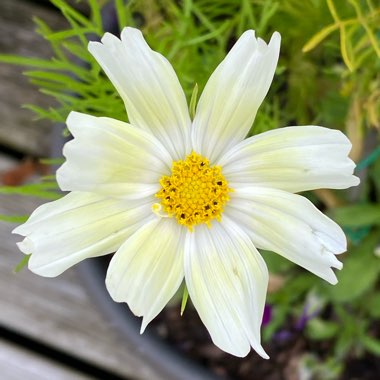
{"type": "Point", "coordinates": [18, 129]}
{"type": "Point", "coordinates": [17, 363]}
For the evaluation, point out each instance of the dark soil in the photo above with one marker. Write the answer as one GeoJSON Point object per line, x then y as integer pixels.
{"type": "Point", "coordinates": [188, 335]}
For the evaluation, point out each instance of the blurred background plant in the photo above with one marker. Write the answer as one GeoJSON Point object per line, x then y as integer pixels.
{"type": "Point", "coordinates": [328, 75]}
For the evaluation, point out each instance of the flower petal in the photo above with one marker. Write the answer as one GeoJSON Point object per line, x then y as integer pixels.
{"type": "Point", "coordinates": [233, 94]}
{"type": "Point", "coordinates": [147, 270]}
{"type": "Point", "coordinates": [292, 159]}
{"type": "Point", "coordinates": [62, 233]}
{"type": "Point", "coordinates": [111, 157]}
{"type": "Point", "coordinates": [290, 225]}
{"type": "Point", "coordinates": [149, 87]}
{"type": "Point", "coordinates": [227, 281]}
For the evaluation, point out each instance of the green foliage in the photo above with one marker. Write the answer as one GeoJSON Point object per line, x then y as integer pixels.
{"type": "Point", "coordinates": [328, 74]}
{"type": "Point", "coordinates": [193, 102]}
{"type": "Point", "coordinates": [185, 297]}
{"type": "Point", "coordinates": [46, 190]}
{"type": "Point", "coordinates": [13, 218]}
{"type": "Point", "coordinates": [358, 42]}
{"type": "Point", "coordinates": [357, 215]}
{"type": "Point", "coordinates": [317, 369]}
{"type": "Point", "coordinates": [24, 261]}
{"type": "Point", "coordinates": [361, 259]}
{"type": "Point", "coordinates": [319, 329]}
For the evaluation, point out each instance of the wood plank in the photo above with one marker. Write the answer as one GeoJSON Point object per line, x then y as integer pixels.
{"type": "Point", "coordinates": [17, 363]}
{"type": "Point", "coordinates": [58, 311]}
{"type": "Point", "coordinates": [18, 130]}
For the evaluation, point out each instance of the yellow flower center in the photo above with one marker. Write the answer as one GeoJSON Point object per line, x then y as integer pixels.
{"type": "Point", "coordinates": [195, 192]}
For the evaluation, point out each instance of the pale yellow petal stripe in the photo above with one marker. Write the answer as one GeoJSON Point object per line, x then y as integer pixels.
{"type": "Point", "coordinates": [62, 233]}
{"type": "Point", "coordinates": [149, 87]}
{"type": "Point", "coordinates": [290, 225]}
{"type": "Point", "coordinates": [293, 159]}
{"type": "Point", "coordinates": [111, 158]}
{"type": "Point", "coordinates": [148, 268]}
{"type": "Point", "coordinates": [233, 94]}
{"type": "Point", "coordinates": [227, 282]}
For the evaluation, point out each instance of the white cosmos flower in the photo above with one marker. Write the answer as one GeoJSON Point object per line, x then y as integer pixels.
{"type": "Point", "coordinates": [181, 200]}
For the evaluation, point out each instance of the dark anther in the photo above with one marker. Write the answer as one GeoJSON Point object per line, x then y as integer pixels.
{"type": "Point", "coordinates": [207, 207]}
{"type": "Point", "coordinates": [182, 216]}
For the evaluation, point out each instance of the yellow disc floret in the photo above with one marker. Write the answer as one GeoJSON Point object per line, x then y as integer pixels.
{"type": "Point", "coordinates": [195, 192]}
